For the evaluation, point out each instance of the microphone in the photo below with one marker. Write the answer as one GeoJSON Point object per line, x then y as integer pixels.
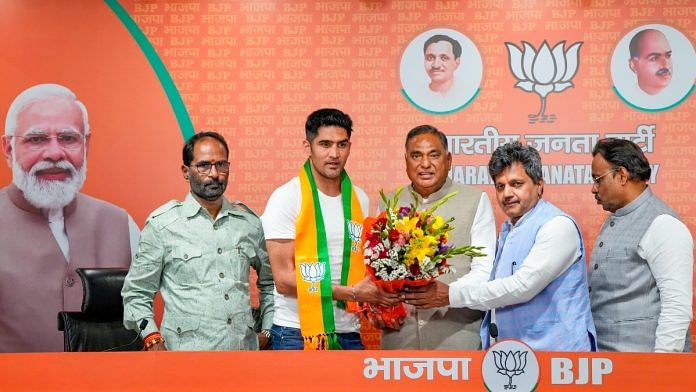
{"type": "Point", "coordinates": [142, 326]}
{"type": "Point", "coordinates": [493, 329]}
{"type": "Point", "coordinates": [493, 326]}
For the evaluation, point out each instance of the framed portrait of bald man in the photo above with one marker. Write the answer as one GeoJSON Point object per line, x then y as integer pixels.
{"type": "Point", "coordinates": [653, 68]}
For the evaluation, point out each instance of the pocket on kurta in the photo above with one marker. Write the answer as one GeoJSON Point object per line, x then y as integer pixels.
{"type": "Point", "coordinates": [245, 254]}
{"type": "Point", "coordinates": [616, 272]}
{"type": "Point", "coordinates": [245, 336]}
{"type": "Point", "coordinates": [636, 333]}
{"type": "Point", "coordinates": [181, 333]}
{"type": "Point", "coordinates": [186, 265]}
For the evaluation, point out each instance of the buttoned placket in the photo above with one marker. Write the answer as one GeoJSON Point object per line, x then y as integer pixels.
{"type": "Point", "coordinates": [223, 262]}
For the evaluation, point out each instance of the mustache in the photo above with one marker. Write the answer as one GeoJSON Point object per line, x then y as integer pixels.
{"type": "Point", "coordinates": [45, 165]}
{"type": "Point", "coordinates": [663, 71]}
{"type": "Point", "coordinates": [212, 182]}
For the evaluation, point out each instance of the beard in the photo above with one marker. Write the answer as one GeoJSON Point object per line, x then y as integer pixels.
{"type": "Point", "coordinates": [210, 190]}
{"type": "Point", "coordinates": [48, 194]}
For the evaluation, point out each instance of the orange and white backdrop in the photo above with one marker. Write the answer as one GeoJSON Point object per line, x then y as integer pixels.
{"type": "Point", "coordinates": [552, 73]}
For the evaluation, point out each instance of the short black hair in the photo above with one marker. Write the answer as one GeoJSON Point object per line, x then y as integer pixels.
{"type": "Point", "coordinates": [187, 153]}
{"type": "Point", "coordinates": [624, 153]}
{"type": "Point", "coordinates": [456, 47]}
{"type": "Point", "coordinates": [327, 117]}
{"type": "Point", "coordinates": [509, 153]}
{"type": "Point", "coordinates": [426, 129]}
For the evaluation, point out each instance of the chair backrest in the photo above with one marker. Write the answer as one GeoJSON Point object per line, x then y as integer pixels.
{"type": "Point", "coordinates": [99, 326]}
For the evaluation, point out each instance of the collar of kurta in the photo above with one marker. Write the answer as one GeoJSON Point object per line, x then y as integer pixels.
{"type": "Point", "coordinates": [435, 196]}
{"type": "Point", "coordinates": [192, 207]}
{"type": "Point", "coordinates": [17, 198]}
{"type": "Point", "coordinates": [635, 203]}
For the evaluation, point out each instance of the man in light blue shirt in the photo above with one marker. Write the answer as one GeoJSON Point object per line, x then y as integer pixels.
{"type": "Point", "coordinates": [537, 290]}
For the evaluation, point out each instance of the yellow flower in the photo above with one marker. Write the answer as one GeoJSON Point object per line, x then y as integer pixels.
{"type": "Point", "coordinates": [406, 225]}
{"type": "Point", "coordinates": [415, 253]}
{"type": "Point", "coordinates": [408, 260]}
{"type": "Point", "coordinates": [419, 248]}
{"type": "Point", "coordinates": [430, 241]}
{"type": "Point", "coordinates": [437, 223]}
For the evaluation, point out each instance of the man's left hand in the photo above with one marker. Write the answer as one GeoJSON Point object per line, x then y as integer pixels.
{"type": "Point", "coordinates": [432, 295]}
{"type": "Point", "coordinates": [367, 291]}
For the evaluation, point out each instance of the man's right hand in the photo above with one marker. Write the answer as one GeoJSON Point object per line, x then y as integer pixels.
{"type": "Point", "coordinates": [157, 347]}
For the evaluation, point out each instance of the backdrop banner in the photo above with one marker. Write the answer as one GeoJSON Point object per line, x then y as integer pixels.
{"type": "Point", "coordinates": [556, 74]}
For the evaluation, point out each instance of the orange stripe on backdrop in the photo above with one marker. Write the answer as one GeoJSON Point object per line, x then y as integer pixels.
{"type": "Point", "coordinates": [299, 371]}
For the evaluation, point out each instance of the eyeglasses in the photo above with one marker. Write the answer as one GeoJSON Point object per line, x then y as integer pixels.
{"type": "Point", "coordinates": [205, 167]}
{"type": "Point", "coordinates": [66, 140]}
{"type": "Point", "coordinates": [598, 179]}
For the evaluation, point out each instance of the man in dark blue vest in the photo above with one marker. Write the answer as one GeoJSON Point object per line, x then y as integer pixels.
{"type": "Point", "coordinates": [537, 290]}
{"type": "Point", "coordinates": [641, 270]}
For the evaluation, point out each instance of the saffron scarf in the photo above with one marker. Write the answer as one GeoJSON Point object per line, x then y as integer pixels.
{"type": "Point", "coordinates": [312, 267]}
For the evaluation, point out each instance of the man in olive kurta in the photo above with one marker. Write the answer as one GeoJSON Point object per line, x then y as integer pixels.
{"type": "Point", "coordinates": [197, 253]}
{"type": "Point", "coordinates": [427, 165]}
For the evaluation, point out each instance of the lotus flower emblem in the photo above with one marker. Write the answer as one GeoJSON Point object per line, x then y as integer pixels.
{"type": "Point", "coordinates": [355, 231]}
{"type": "Point", "coordinates": [543, 71]}
{"type": "Point", "coordinates": [312, 273]}
{"type": "Point", "coordinates": [510, 364]}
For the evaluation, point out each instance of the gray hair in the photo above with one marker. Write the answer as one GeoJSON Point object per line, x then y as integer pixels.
{"type": "Point", "coordinates": [37, 93]}
{"type": "Point", "coordinates": [509, 153]}
{"type": "Point", "coordinates": [426, 129]}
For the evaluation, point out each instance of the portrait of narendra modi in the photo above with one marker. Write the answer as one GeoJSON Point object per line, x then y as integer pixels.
{"type": "Point", "coordinates": [45, 143]}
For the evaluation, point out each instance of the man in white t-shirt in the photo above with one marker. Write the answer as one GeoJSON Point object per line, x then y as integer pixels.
{"type": "Point", "coordinates": [309, 298]}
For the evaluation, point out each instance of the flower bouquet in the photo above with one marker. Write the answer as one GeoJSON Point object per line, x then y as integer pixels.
{"type": "Point", "coordinates": [406, 247]}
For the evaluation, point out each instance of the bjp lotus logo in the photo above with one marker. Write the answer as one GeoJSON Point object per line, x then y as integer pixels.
{"type": "Point", "coordinates": [543, 71]}
{"type": "Point", "coordinates": [312, 273]}
{"type": "Point", "coordinates": [510, 365]}
{"type": "Point", "coordinates": [355, 230]}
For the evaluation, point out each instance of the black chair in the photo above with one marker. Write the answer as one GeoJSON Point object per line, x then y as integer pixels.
{"type": "Point", "coordinates": [99, 327]}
